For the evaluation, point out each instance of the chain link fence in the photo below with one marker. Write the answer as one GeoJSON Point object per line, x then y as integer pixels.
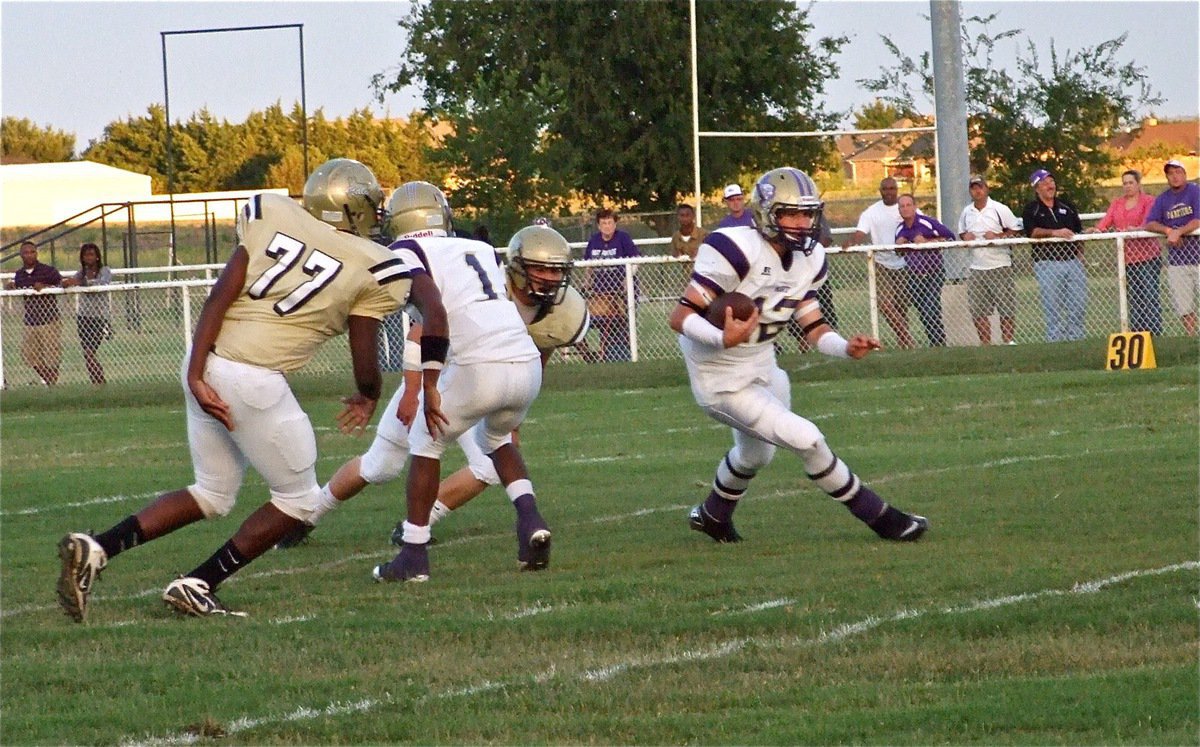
{"type": "Point", "coordinates": [152, 313]}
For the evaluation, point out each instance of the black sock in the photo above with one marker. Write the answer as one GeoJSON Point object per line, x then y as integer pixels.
{"type": "Point", "coordinates": [223, 564]}
{"type": "Point", "coordinates": [526, 505]}
{"type": "Point", "coordinates": [125, 535]}
{"type": "Point", "coordinates": [720, 509]}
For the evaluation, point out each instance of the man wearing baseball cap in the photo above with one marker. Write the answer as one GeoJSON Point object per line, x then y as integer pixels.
{"type": "Point", "coordinates": [1057, 265]}
{"type": "Point", "coordinates": [735, 202]}
{"type": "Point", "coordinates": [990, 284]}
{"type": "Point", "coordinates": [1176, 214]}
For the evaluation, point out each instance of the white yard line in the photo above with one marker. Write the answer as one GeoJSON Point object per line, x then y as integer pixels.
{"type": "Point", "coordinates": [657, 659]}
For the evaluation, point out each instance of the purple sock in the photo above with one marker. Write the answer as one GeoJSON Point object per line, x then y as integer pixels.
{"type": "Point", "coordinates": [721, 509]}
{"type": "Point", "coordinates": [866, 505]}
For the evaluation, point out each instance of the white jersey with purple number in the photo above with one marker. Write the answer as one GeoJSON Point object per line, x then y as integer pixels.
{"type": "Point", "coordinates": [741, 260]}
{"type": "Point", "coordinates": [485, 326]}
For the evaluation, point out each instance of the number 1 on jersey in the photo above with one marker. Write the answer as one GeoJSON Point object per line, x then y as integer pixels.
{"type": "Point", "coordinates": [483, 278]}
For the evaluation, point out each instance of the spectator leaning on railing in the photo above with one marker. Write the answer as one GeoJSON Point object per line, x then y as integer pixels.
{"type": "Point", "coordinates": [606, 286]}
{"type": "Point", "coordinates": [41, 345]}
{"type": "Point", "coordinates": [878, 224]}
{"type": "Point", "coordinates": [924, 268]}
{"type": "Point", "coordinates": [1143, 257]}
{"type": "Point", "coordinates": [1175, 214]}
{"type": "Point", "coordinates": [1058, 266]}
{"type": "Point", "coordinates": [990, 284]}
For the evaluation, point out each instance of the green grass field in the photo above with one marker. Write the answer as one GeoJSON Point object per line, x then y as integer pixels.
{"type": "Point", "coordinates": [1054, 600]}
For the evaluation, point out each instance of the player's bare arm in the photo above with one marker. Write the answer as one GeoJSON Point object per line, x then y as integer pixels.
{"type": "Point", "coordinates": [694, 301]}
{"type": "Point", "coordinates": [360, 406]}
{"type": "Point", "coordinates": [410, 399]}
{"type": "Point", "coordinates": [823, 337]}
{"type": "Point", "coordinates": [224, 292]}
{"type": "Point", "coordinates": [435, 341]}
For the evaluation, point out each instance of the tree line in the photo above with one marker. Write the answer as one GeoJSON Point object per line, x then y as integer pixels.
{"type": "Point", "coordinates": [541, 105]}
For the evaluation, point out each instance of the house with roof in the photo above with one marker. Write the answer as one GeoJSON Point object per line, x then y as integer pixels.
{"type": "Point", "coordinates": [1154, 141]}
{"type": "Point", "coordinates": [909, 158]}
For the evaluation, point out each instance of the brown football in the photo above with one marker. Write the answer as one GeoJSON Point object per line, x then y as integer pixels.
{"type": "Point", "coordinates": [742, 305]}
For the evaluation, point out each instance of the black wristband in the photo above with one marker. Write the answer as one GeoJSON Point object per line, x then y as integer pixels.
{"type": "Point", "coordinates": [434, 349]}
{"type": "Point", "coordinates": [370, 390]}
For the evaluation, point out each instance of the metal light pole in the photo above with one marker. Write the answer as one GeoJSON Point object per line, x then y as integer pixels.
{"type": "Point", "coordinates": [167, 98]}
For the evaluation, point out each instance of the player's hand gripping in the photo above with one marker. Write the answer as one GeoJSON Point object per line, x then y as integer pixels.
{"type": "Point", "coordinates": [211, 402]}
{"type": "Point", "coordinates": [435, 419]}
{"type": "Point", "coordinates": [353, 419]}
{"type": "Point", "coordinates": [737, 331]}
{"type": "Point", "coordinates": [859, 345]}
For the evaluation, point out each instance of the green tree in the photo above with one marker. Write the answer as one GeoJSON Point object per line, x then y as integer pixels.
{"type": "Point", "coordinates": [591, 98]}
{"type": "Point", "coordinates": [877, 115]}
{"type": "Point", "coordinates": [23, 140]}
{"type": "Point", "coordinates": [1056, 115]}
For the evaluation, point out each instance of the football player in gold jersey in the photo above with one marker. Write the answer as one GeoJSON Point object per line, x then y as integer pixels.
{"type": "Point", "coordinates": [292, 283]}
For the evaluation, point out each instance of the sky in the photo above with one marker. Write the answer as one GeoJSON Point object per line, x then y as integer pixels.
{"type": "Point", "coordinates": [77, 66]}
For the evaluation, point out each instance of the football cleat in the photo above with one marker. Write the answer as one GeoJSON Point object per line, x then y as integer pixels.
{"type": "Point", "coordinates": [82, 561]}
{"type": "Point", "coordinates": [410, 564]}
{"type": "Point", "coordinates": [296, 537]}
{"type": "Point", "coordinates": [897, 525]}
{"type": "Point", "coordinates": [720, 531]}
{"type": "Point", "coordinates": [191, 596]}
{"type": "Point", "coordinates": [533, 543]}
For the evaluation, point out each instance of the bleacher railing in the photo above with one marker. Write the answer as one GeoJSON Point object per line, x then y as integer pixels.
{"type": "Point", "coordinates": [153, 310]}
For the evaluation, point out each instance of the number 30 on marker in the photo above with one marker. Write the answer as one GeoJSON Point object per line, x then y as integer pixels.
{"type": "Point", "coordinates": [1129, 350]}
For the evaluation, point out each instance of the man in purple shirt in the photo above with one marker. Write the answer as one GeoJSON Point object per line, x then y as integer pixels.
{"type": "Point", "coordinates": [41, 347]}
{"type": "Point", "coordinates": [1175, 214]}
{"type": "Point", "coordinates": [735, 202]}
{"type": "Point", "coordinates": [924, 268]}
{"type": "Point", "coordinates": [606, 286]}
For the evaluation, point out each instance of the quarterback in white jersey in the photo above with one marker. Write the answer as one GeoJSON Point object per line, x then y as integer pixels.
{"type": "Point", "coordinates": [493, 376]}
{"type": "Point", "coordinates": [735, 379]}
{"type": "Point", "coordinates": [292, 283]}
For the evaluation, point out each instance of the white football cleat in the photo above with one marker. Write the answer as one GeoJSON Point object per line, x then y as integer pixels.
{"type": "Point", "coordinates": [82, 561]}
{"type": "Point", "coordinates": [191, 596]}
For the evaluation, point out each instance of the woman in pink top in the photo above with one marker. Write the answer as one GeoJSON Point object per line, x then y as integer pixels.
{"type": "Point", "coordinates": [1143, 257]}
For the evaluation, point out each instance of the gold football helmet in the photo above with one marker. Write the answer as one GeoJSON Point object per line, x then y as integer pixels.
{"type": "Point", "coordinates": [416, 207]}
{"type": "Point", "coordinates": [787, 189]}
{"type": "Point", "coordinates": [539, 264]}
{"type": "Point", "coordinates": [346, 195]}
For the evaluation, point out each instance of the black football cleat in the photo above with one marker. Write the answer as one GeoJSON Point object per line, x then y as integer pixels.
{"type": "Point", "coordinates": [899, 526]}
{"type": "Point", "coordinates": [720, 531]}
{"type": "Point", "coordinates": [533, 543]}
{"type": "Point", "coordinates": [411, 564]}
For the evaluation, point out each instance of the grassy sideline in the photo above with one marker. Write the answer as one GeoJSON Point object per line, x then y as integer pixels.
{"type": "Point", "coordinates": [1053, 602]}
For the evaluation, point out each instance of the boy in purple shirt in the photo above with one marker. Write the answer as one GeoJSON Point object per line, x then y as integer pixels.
{"type": "Point", "coordinates": [606, 286]}
{"type": "Point", "coordinates": [41, 347]}
{"type": "Point", "coordinates": [738, 215]}
{"type": "Point", "coordinates": [1175, 214]}
{"type": "Point", "coordinates": [924, 268]}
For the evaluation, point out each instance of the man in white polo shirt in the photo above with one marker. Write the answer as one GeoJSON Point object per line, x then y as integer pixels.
{"type": "Point", "coordinates": [990, 285]}
{"type": "Point", "coordinates": [878, 224]}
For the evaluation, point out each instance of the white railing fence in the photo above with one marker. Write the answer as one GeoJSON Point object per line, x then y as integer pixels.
{"type": "Point", "coordinates": [153, 311]}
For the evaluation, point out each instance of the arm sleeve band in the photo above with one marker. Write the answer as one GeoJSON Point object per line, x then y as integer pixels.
{"type": "Point", "coordinates": [433, 351]}
{"type": "Point", "coordinates": [412, 355]}
{"type": "Point", "coordinates": [691, 305]}
{"type": "Point", "coordinates": [833, 344]}
{"type": "Point", "coordinates": [697, 328]}
{"type": "Point", "coordinates": [814, 325]}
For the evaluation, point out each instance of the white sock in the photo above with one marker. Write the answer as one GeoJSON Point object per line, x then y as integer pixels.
{"type": "Point", "coordinates": [325, 503]}
{"type": "Point", "coordinates": [518, 488]}
{"type": "Point", "coordinates": [415, 535]}
{"type": "Point", "coordinates": [439, 512]}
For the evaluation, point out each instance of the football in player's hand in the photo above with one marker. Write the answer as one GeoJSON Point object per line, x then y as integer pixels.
{"type": "Point", "coordinates": [742, 305]}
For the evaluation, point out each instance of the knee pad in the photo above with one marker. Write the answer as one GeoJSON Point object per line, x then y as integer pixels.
{"type": "Point", "coordinates": [214, 501]}
{"type": "Point", "coordinates": [299, 505]}
{"type": "Point", "coordinates": [384, 461]}
{"type": "Point", "coordinates": [796, 433]}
